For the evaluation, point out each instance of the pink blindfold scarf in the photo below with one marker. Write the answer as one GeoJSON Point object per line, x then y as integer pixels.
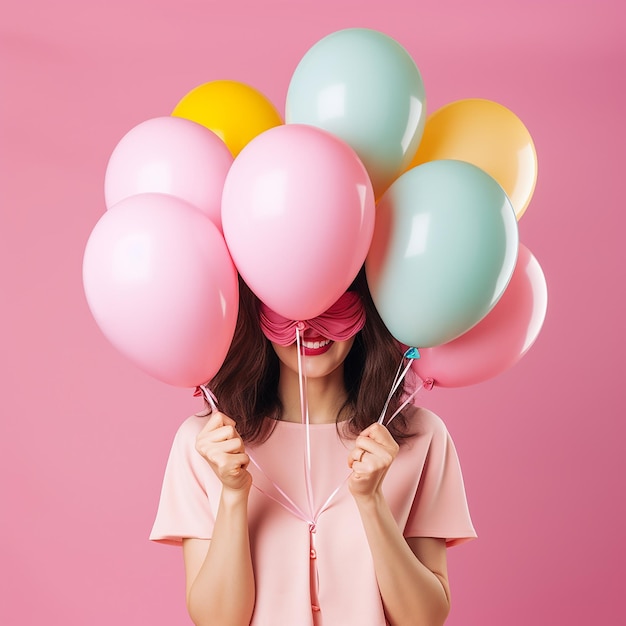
{"type": "Point", "coordinates": [342, 320]}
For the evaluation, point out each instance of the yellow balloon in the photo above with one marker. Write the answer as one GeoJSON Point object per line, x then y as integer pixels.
{"type": "Point", "coordinates": [488, 135]}
{"type": "Point", "coordinates": [234, 111]}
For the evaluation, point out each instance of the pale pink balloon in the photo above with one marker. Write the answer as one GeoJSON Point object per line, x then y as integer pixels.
{"type": "Point", "coordinates": [170, 155]}
{"type": "Point", "coordinates": [298, 218]}
{"type": "Point", "coordinates": [500, 339]}
{"type": "Point", "coordinates": [162, 287]}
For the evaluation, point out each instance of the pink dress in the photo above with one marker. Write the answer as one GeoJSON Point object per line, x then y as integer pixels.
{"type": "Point", "coordinates": [424, 489]}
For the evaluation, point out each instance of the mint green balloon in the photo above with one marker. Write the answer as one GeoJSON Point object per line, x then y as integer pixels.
{"type": "Point", "coordinates": [444, 249]}
{"type": "Point", "coordinates": [362, 86]}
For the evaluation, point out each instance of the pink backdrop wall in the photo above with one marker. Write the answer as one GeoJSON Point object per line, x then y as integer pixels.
{"type": "Point", "coordinates": [84, 435]}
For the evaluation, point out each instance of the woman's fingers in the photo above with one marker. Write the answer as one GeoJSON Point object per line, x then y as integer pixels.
{"type": "Point", "coordinates": [216, 420]}
{"type": "Point", "coordinates": [229, 464]}
{"type": "Point", "coordinates": [223, 448]}
{"type": "Point", "coordinates": [219, 427]}
{"type": "Point", "coordinates": [373, 453]}
{"type": "Point", "coordinates": [222, 433]}
{"type": "Point", "coordinates": [355, 456]}
{"type": "Point", "coordinates": [380, 434]}
{"type": "Point", "coordinates": [210, 449]}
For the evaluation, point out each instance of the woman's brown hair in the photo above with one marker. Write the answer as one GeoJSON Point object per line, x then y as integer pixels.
{"type": "Point", "coordinates": [246, 386]}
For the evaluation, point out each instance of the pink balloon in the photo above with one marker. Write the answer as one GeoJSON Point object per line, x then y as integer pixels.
{"type": "Point", "coordinates": [298, 218]}
{"type": "Point", "coordinates": [162, 287]}
{"type": "Point", "coordinates": [174, 156]}
{"type": "Point", "coordinates": [500, 339]}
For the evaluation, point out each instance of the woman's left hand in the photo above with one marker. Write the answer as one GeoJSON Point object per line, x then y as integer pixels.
{"type": "Point", "coordinates": [374, 451]}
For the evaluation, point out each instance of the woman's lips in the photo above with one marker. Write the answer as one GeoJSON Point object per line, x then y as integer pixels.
{"type": "Point", "coordinates": [315, 346]}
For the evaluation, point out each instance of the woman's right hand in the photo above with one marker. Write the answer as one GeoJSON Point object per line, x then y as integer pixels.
{"type": "Point", "coordinates": [222, 447]}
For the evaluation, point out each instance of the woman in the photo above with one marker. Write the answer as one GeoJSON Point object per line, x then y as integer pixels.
{"type": "Point", "coordinates": [349, 520]}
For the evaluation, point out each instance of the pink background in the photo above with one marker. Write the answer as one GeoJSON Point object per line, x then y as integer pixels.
{"type": "Point", "coordinates": [84, 435]}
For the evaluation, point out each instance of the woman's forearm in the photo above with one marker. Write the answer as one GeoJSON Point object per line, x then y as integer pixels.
{"type": "Point", "coordinates": [411, 593]}
{"type": "Point", "coordinates": [223, 592]}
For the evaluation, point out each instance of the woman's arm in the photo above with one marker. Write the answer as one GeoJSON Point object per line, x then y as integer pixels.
{"type": "Point", "coordinates": [411, 574]}
{"type": "Point", "coordinates": [414, 591]}
{"type": "Point", "coordinates": [220, 580]}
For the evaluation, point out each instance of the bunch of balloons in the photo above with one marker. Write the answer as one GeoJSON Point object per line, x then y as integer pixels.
{"type": "Point", "coordinates": [355, 175]}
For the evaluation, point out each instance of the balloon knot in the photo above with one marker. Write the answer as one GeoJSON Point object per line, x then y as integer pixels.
{"type": "Point", "coordinates": [412, 353]}
{"type": "Point", "coordinates": [300, 326]}
{"type": "Point", "coordinates": [197, 392]}
{"type": "Point", "coordinates": [429, 383]}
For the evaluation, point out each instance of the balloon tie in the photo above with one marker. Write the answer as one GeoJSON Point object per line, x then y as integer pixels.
{"type": "Point", "coordinates": [429, 383]}
{"type": "Point", "coordinates": [207, 394]}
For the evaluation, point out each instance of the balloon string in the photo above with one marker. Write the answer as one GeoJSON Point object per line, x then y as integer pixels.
{"type": "Point", "coordinates": [209, 397]}
{"type": "Point", "coordinates": [407, 358]}
{"type": "Point", "coordinates": [331, 496]}
{"type": "Point", "coordinates": [291, 506]}
{"type": "Point", "coordinates": [400, 375]}
{"type": "Point", "coordinates": [382, 413]}
{"type": "Point", "coordinates": [304, 411]}
{"type": "Point", "coordinates": [306, 421]}
{"type": "Point", "coordinates": [407, 401]}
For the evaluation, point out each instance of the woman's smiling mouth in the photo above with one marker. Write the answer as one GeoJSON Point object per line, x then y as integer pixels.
{"type": "Point", "coordinates": [315, 346]}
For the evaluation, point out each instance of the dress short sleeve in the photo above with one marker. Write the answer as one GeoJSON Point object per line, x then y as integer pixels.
{"type": "Point", "coordinates": [188, 493]}
{"type": "Point", "coordinates": [440, 507]}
